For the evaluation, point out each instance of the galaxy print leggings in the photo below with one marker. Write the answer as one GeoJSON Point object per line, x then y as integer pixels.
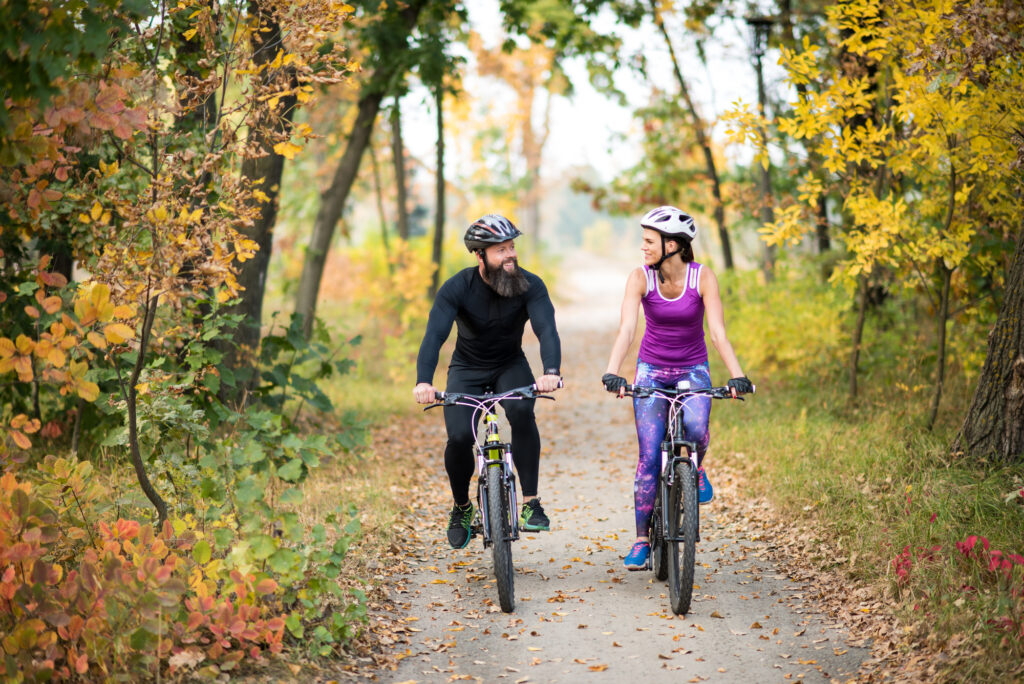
{"type": "Point", "coordinates": [651, 418]}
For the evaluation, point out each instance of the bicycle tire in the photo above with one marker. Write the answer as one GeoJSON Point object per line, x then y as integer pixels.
{"type": "Point", "coordinates": [659, 549]}
{"type": "Point", "coordinates": [682, 527]}
{"type": "Point", "coordinates": [501, 542]}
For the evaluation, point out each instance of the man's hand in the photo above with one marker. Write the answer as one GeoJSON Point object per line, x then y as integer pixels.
{"type": "Point", "coordinates": [548, 383]}
{"type": "Point", "coordinates": [424, 393]}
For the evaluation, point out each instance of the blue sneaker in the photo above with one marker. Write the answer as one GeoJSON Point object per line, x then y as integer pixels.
{"type": "Point", "coordinates": [705, 492]}
{"type": "Point", "coordinates": [637, 557]}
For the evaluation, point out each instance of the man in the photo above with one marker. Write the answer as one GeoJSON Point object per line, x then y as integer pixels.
{"type": "Point", "coordinates": [491, 303]}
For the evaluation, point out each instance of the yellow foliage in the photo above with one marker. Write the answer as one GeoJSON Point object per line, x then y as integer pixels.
{"type": "Point", "coordinates": [118, 333]}
{"type": "Point", "coordinates": [945, 135]}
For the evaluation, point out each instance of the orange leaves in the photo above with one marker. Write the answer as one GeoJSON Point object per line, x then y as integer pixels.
{"type": "Point", "coordinates": [93, 304]}
{"type": "Point", "coordinates": [16, 356]}
{"type": "Point", "coordinates": [87, 390]}
{"type": "Point", "coordinates": [21, 426]}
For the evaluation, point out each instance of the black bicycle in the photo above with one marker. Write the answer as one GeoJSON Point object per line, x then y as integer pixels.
{"type": "Point", "coordinates": [675, 521]}
{"type": "Point", "coordinates": [496, 483]}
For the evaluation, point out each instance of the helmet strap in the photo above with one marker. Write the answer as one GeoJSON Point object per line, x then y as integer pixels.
{"type": "Point", "coordinates": [665, 256]}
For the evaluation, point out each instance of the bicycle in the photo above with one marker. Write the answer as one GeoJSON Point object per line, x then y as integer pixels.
{"type": "Point", "coordinates": [496, 483]}
{"type": "Point", "coordinates": [675, 521]}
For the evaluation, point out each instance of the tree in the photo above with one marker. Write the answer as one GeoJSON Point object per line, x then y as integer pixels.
{"type": "Point", "coordinates": [913, 128]}
{"type": "Point", "coordinates": [398, 159]}
{"type": "Point", "coordinates": [529, 72]}
{"type": "Point", "coordinates": [700, 129]}
{"type": "Point", "coordinates": [278, 88]}
{"type": "Point", "coordinates": [387, 39]}
{"type": "Point", "coordinates": [154, 213]}
{"type": "Point", "coordinates": [994, 424]}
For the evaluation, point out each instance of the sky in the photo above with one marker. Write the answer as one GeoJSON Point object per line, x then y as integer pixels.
{"type": "Point", "coordinates": [586, 128]}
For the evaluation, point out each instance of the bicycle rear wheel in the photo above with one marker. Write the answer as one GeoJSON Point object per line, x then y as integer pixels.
{"type": "Point", "coordinates": [682, 536]}
{"type": "Point", "coordinates": [659, 549]}
{"type": "Point", "coordinates": [501, 541]}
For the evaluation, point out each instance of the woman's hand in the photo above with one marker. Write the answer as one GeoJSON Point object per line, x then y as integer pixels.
{"type": "Point", "coordinates": [741, 385]}
{"type": "Point", "coordinates": [614, 383]}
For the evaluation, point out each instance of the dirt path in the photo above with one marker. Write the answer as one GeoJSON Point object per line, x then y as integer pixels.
{"type": "Point", "coordinates": [580, 616]}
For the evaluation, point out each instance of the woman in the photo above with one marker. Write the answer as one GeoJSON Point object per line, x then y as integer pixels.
{"type": "Point", "coordinates": [676, 293]}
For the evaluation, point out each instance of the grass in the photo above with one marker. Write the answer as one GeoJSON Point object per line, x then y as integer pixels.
{"type": "Point", "coordinates": [871, 479]}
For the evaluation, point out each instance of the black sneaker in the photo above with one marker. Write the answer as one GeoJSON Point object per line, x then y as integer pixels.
{"type": "Point", "coordinates": [532, 518]}
{"type": "Point", "coordinates": [459, 522]}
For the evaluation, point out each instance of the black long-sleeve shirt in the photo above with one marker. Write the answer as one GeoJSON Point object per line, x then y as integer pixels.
{"type": "Point", "coordinates": [490, 327]}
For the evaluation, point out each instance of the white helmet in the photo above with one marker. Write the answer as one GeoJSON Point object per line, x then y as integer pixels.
{"type": "Point", "coordinates": [670, 222]}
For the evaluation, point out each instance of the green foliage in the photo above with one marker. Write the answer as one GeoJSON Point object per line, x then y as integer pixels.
{"type": "Point", "coordinates": [888, 505]}
{"type": "Point", "coordinates": [42, 41]}
{"type": "Point", "coordinates": [804, 340]}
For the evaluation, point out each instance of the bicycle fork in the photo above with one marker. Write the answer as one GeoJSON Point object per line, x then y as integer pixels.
{"type": "Point", "coordinates": [495, 454]}
{"type": "Point", "coordinates": [671, 454]}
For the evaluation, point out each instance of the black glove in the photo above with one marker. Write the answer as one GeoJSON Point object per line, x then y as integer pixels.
{"type": "Point", "coordinates": [613, 382]}
{"type": "Point", "coordinates": [741, 385]}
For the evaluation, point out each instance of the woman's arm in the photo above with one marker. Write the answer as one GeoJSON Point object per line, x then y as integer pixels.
{"type": "Point", "coordinates": [635, 287]}
{"type": "Point", "coordinates": [716, 322]}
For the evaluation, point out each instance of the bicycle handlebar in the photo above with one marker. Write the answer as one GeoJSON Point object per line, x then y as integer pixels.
{"type": "Point", "coordinates": [453, 398]}
{"type": "Point", "coordinates": [668, 392]}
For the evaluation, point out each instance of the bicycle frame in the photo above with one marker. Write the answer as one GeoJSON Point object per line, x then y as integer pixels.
{"type": "Point", "coordinates": [673, 444]}
{"type": "Point", "coordinates": [491, 451]}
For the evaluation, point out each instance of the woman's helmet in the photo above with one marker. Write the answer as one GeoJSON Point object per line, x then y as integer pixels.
{"type": "Point", "coordinates": [670, 222]}
{"type": "Point", "coordinates": [489, 230]}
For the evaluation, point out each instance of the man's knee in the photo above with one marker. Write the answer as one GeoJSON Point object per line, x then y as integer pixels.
{"type": "Point", "coordinates": [460, 439]}
{"type": "Point", "coordinates": [519, 413]}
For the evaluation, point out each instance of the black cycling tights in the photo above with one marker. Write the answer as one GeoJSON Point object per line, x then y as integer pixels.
{"type": "Point", "coordinates": [458, 454]}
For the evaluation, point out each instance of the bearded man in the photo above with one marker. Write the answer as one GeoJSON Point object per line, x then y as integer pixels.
{"type": "Point", "coordinates": [490, 303]}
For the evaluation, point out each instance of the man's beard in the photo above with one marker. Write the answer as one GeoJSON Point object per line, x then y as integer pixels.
{"type": "Point", "coordinates": [507, 284]}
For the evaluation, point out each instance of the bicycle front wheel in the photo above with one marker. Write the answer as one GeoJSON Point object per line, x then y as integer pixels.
{"type": "Point", "coordinates": [682, 536]}
{"type": "Point", "coordinates": [501, 538]}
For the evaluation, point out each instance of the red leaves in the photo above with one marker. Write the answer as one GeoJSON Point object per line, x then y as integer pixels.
{"type": "Point", "coordinates": [965, 547]}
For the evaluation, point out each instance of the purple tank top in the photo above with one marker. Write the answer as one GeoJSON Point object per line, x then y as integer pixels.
{"type": "Point", "coordinates": [675, 327]}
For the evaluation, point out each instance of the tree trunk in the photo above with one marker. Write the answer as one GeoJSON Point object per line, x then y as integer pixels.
{"type": "Point", "coordinates": [940, 352]}
{"type": "Point", "coordinates": [332, 200]}
{"type": "Point", "coordinates": [858, 332]}
{"type": "Point", "coordinates": [264, 174]}
{"type": "Point", "coordinates": [379, 194]}
{"type": "Point", "coordinates": [767, 212]}
{"type": "Point", "coordinates": [821, 226]}
{"type": "Point", "coordinates": [439, 215]}
{"type": "Point", "coordinates": [131, 400]}
{"type": "Point", "coordinates": [398, 156]}
{"type": "Point", "coordinates": [813, 158]}
{"type": "Point", "coordinates": [994, 425]}
{"type": "Point", "coordinates": [702, 140]}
